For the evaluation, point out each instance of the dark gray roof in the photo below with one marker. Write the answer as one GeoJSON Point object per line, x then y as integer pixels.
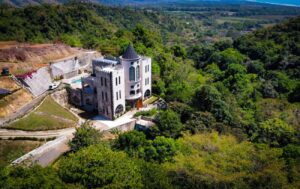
{"type": "Point", "coordinates": [130, 53]}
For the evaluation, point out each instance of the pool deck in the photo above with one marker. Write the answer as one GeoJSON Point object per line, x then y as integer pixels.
{"type": "Point", "coordinates": [70, 81]}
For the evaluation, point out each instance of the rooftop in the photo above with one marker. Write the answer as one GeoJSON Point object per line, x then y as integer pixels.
{"type": "Point", "coordinates": [105, 60]}
{"type": "Point", "coordinates": [130, 53]}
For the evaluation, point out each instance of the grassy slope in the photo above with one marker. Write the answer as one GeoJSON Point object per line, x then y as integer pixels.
{"type": "Point", "coordinates": [13, 149]}
{"type": "Point", "coordinates": [48, 116]}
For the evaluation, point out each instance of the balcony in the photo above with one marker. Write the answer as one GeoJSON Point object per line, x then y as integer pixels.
{"type": "Point", "coordinates": [135, 82]}
{"type": "Point", "coordinates": [134, 97]}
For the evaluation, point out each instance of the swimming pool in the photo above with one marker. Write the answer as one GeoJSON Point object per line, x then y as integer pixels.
{"type": "Point", "coordinates": [77, 81]}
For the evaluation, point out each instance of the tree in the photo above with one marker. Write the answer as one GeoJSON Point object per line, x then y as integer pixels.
{"type": "Point", "coordinates": [179, 51]}
{"type": "Point", "coordinates": [167, 124]}
{"type": "Point", "coordinates": [84, 136]}
{"type": "Point", "coordinates": [208, 98]}
{"type": "Point", "coordinates": [268, 90]}
{"type": "Point", "coordinates": [215, 71]}
{"type": "Point", "coordinates": [275, 132]}
{"type": "Point", "coordinates": [220, 161]}
{"type": "Point", "coordinates": [294, 96]}
{"type": "Point", "coordinates": [161, 150]}
{"type": "Point", "coordinates": [131, 142]}
{"type": "Point", "coordinates": [291, 154]}
{"type": "Point", "coordinates": [235, 69]}
{"type": "Point", "coordinates": [200, 122]}
{"type": "Point", "coordinates": [182, 109]}
{"type": "Point", "coordinates": [281, 81]}
{"type": "Point", "coordinates": [97, 166]}
{"type": "Point", "coordinates": [226, 57]}
{"type": "Point", "coordinates": [223, 45]}
{"type": "Point", "coordinates": [256, 67]}
{"type": "Point", "coordinates": [155, 176]}
{"type": "Point", "coordinates": [135, 144]}
{"type": "Point", "coordinates": [200, 54]}
{"type": "Point", "coordinates": [34, 177]}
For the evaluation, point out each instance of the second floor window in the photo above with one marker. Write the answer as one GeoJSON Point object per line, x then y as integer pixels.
{"type": "Point", "coordinates": [137, 72]}
{"type": "Point", "coordinates": [131, 73]}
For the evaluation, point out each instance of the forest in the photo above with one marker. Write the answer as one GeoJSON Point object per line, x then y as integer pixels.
{"type": "Point", "coordinates": [233, 116]}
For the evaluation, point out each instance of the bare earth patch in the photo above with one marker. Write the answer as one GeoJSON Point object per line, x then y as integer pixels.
{"type": "Point", "coordinates": [13, 149]}
{"type": "Point", "coordinates": [23, 57]}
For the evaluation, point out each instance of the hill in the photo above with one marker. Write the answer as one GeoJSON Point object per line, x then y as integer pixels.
{"type": "Point", "coordinates": [233, 103]}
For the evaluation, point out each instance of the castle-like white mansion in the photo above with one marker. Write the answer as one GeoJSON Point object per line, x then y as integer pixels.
{"type": "Point", "coordinates": [115, 82]}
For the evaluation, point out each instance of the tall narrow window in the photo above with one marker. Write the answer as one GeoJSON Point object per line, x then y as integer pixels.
{"type": "Point", "coordinates": [137, 72]}
{"type": "Point", "coordinates": [105, 82]}
{"type": "Point", "coordinates": [131, 73]}
{"type": "Point", "coordinates": [120, 94]}
{"type": "Point", "coordinates": [102, 96]}
{"type": "Point", "coordinates": [116, 81]}
{"type": "Point", "coordinates": [119, 79]}
{"type": "Point", "coordinates": [117, 95]}
{"type": "Point", "coordinates": [105, 96]}
{"type": "Point", "coordinates": [101, 81]}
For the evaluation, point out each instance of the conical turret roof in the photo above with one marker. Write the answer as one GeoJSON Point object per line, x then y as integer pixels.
{"type": "Point", "coordinates": [130, 53]}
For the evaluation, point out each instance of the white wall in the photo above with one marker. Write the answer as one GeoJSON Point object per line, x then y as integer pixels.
{"type": "Point", "coordinates": [39, 82]}
{"type": "Point", "coordinates": [104, 103]}
{"type": "Point", "coordinates": [118, 89]}
{"type": "Point", "coordinates": [146, 75]}
{"type": "Point", "coordinates": [136, 83]}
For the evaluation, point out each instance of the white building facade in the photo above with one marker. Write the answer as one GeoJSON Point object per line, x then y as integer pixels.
{"type": "Point", "coordinates": [137, 72]}
{"type": "Point", "coordinates": [116, 83]}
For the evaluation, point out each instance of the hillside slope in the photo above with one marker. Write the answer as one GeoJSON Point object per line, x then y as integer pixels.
{"type": "Point", "coordinates": [22, 57]}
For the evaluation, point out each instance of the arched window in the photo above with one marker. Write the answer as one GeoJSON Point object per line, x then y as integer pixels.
{"type": "Point", "coordinates": [131, 74]}
{"type": "Point", "coordinates": [137, 72]}
{"type": "Point", "coordinates": [147, 93]}
{"type": "Point", "coordinates": [119, 109]}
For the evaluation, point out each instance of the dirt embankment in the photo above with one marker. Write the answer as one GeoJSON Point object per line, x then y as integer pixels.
{"type": "Point", "coordinates": [22, 58]}
{"type": "Point", "coordinates": [12, 102]}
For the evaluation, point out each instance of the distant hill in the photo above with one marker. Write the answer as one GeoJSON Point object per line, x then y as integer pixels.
{"type": "Point", "coordinates": [20, 3]}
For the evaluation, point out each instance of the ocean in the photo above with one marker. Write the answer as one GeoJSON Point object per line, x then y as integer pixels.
{"type": "Point", "coordinates": [280, 2]}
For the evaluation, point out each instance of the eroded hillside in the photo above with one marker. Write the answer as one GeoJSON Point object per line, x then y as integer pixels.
{"type": "Point", "coordinates": [20, 57]}
{"type": "Point", "coordinates": [12, 102]}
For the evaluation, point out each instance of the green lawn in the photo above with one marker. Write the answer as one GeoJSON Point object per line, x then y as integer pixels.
{"type": "Point", "coordinates": [151, 100]}
{"type": "Point", "coordinates": [48, 116]}
{"type": "Point", "coordinates": [13, 149]}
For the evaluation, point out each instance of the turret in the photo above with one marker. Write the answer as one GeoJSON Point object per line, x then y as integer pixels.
{"type": "Point", "coordinates": [131, 62]}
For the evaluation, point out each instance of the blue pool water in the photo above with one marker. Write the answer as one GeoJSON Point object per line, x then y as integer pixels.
{"type": "Point", "coordinates": [77, 81]}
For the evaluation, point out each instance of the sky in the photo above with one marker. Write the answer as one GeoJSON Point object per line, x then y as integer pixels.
{"type": "Point", "coordinates": [282, 2]}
